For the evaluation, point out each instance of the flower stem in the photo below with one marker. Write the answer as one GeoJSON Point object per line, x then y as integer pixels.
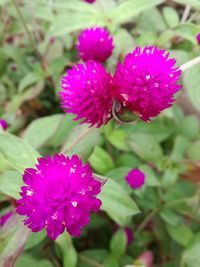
{"type": "Point", "coordinates": [190, 63]}
{"type": "Point", "coordinates": [90, 261]}
{"type": "Point", "coordinates": [146, 220]}
{"type": "Point", "coordinates": [186, 13]}
{"type": "Point", "coordinates": [77, 140]}
{"type": "Point", "coordinates": [37, 53]}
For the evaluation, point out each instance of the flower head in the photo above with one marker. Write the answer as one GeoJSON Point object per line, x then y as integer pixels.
{"type": "Point", "coordinates": [198, 38]}
{"type": "Point", "coordinates": [135, 178]}
{"type": "Point", "coordinates": [95, 43]}
{"type": "Point", "coordinates": [129, 235]}
{"type": "Point", "coordinates": [4, 218]}
{"type": "Point", "coordinates": [146, 258]}
{"type": "Point", "coordinates": [3, 124]}
{"type": "Point", "coordinates": [86, 93]}
{"type": "Point", "coordinates": [59, 194]}
{"type": "Point", "coordinates": [146, 82]}
{"type": "Point", "coordinates": [90, 1]}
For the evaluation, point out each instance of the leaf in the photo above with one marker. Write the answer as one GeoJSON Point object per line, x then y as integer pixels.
{"type": "Point", "coordinates": [10, 183]}
{"type": "Point", "coordinates": [191, 81]}
{"type": "Point", "coordinates": [179, 148]}
{"type": "Point", "coordinates": [118, 242]}
{"type": "Point", "coordinates": [150, 176]}
{"type": "Point", "coordinates": [13, 237]}
{"type": "Point", "coordinates": [189, 127]}
{"type": "Point", "coordinates": [117, 203]}
{"type": "Point", "coordinates": [118, 139]}
{"type": "Point", "coordinates": [35, 239]}
{"type": "Point", "coordinates": [181, 233]}
{"type": "Point", "coordinates": [169, 178]}
{"type": "Point", "coordinates": [193, 151]}
{"type": "Point", "coordinates": [171, 16]}
{"type": "Point", "coordinates": [40, 130]}
{"type": "Point", "coordinates": [69, 254]}
{"type": "Point", "coordinates": [127, 10]}
{"type": "Point", "coordinates": [188, 31]}
{"type": "Point", "coordinates": [145, 146]}
{"type": "Point", "coordinates": [194, 3]}
{"type": "Point", "coordinates": [17, 152]}
{"type": "Point", "coordinates": [101, 161]}
{"type": "Point", "coordinates": [28, 80]}
{"type": "Point", "coordinates": [191, 257]}
{"type": "Point", "coordinates": [28, 260]}
{"type": "Point", "coordinates": [84, 147]}
{"type": "Point", "coordinates": [128, 160]}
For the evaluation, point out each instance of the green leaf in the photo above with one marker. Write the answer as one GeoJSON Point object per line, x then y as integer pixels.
{"type": "Point", "coordinates": [69, 254]}
{"type": "Point", "coordinates": [170, 217]}
{"type": "Point", "coordinates": [181, 233]}
{"type": "Point", "coordinates": [179, 148]}
{"type": "Point", "coordinates": [101, 161]}
{"type": "Point", "coordinates": [169, 178]}
{"type": "Point", "coordinates": [34, 239]}
{"type": "Point", "coordinates": [194, 3]}
{"type": "Point", "coordinates": [127, 10]}
{"type": "Point", "coordinates": [40, 130]}
{"type": "Point", "coordinates": [117, 203]}
{"type": "Point", "coordinates": [191, 80]}
{"type": "Point", "coordinates": [189, 127]}
{"type": "Point", "coordinates": [146, 147]}
{"type": "Point", "coordinates": [171, 16]}
{"type": "Point", "coordinates": [111, 261]}
{"type": "Point", "coordinates": [128, 160]}
{"type": "Point", "coordinates": [10, 183]}
{"type": "Point", "coordinates": [150, 176]}
{"type": "Point", "coordinates": [19, 153]}
{"type": "Point", "coordinates": [28, 80]}
{"type": "Point", "coordinates": [188, 31]}
{"type": "Point", "coordinates": [89, 138]}
{"type": "Point", "coordinates": [193, 151]}
{"type": "Point", "coordinates": [13, 238]}
{"type": "Point", "coordinates": [118, 139]}
{"type": "Point", "coordinates": [191, 257]}
{"type": "Point", "coordinates": [118, 242]}
{"type": "Point", "coordinates": [28, 260]}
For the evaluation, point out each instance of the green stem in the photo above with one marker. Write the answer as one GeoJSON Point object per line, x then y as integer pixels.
{"type": "Point", "coordinates": [190, 63]}
{"type": "Point", "coordinates": [146, 220]}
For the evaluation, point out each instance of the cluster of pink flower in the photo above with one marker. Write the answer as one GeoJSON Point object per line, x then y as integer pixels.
{"type": "Point", "coordinates": [145, 84]}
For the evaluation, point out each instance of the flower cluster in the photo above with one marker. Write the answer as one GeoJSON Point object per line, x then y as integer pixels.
{"type": "Point", "coordinates": [144, 84]}
{"type": "Point", "coordinates": [60, 193]}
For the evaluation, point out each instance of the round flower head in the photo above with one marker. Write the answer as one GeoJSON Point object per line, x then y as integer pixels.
{"type": "Point", "coordinates": [198, 38]}
{"type": "Point", "coordinates": [59, 194]}
{"type": "Point", "coordinates": [95, 44]}
{"type": "Point", "coordinates": [135, 178]}
{"type": "Point", "coordinates": [129, 235]}
{"type": "Point", "coordinates": [86, 93]}
{"type": "Point", "coordinates": [146, 82]}
{"type": "Point", "coordinates": [90, 1]}
{"type": "Point", "coordinates": [3, 124]}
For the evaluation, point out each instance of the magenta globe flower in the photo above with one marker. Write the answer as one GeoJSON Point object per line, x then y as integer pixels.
{"type": "Point", "coordinates": [198, 38]}
{"type": "Point", "coordinates": [87, 94]}
{"type": "Point", "coordinates": [95, 44]}
{"type": "Point", "coordinates": [59, 194]}
{"type": "Point", "coordinates": [146, 82]}
{"type": "Point", "coordinates": [129, 235]}
{"type": "Point", "coordinates": [90, 1]}
{"type": "Point", "coordinates": [135, 178]}
{"type": "Point", "coordinates": [3, 124]}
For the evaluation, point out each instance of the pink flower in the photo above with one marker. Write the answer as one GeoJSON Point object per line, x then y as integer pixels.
{"type": "Point", "coordinates": [3, 124]}
{"type": "Point", "coordinates": [198, 38]}
{"type": "Point", "coordinates": [129, 235]}
{"type": "Point", "coordinates": [4, 218]}
{"type": "Point", "coordinates": [87, 94]}
{"type": "Point", "coordinates": [146, 82]}
{"type": "Point", "coordinates": [59, 194]}
{"type": "Point", "coordinates": [146, 258]}
{"type": "Point", "coordinates": [90, 1]}
{"type": "Point", "coordinates": [135, 178]}
{"type": "Point", "coordinates": [95, 43]}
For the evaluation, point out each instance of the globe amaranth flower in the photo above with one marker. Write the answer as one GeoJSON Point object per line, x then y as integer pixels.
{"type": "Point", "coordinates": [4, 218]}
{"type": "Point", "coordinates": [60, 193]}
{"type": "Point", "coordinates": [198, 38]}
{"type": "Point", "coordinates": [135, 178]}
{"type": "Point", "coordinates": [87, 94]}
{"type": "Point", "coordinates": [3, 124]}
{"type": "Point", "coordinates": [95, 44]}
{"type": "Point", "coordinates": [146, 82]}
{"type": "Point", "coordinates": [129, 235]}
{"type": "Point", "coordinates": [90, 1]}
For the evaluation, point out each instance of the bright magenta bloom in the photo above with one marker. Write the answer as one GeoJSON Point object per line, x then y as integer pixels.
{"type": "Point", "coordinates": [198, 38]}
{"type": "Point", "coordinates": [146, 82]}
{"type": "Point", "coordinates": [95, 43]}
{"type": "Point", "coordinates": [86, 93]}
{"type": "Point", "coordinates": [59, 194]}
{"type": "Point", "coordinates": [3, 124]}
{"type": "Point", "coordinates": [135, 178]}
{"type": "Point", "coordinates": [90, 1]}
